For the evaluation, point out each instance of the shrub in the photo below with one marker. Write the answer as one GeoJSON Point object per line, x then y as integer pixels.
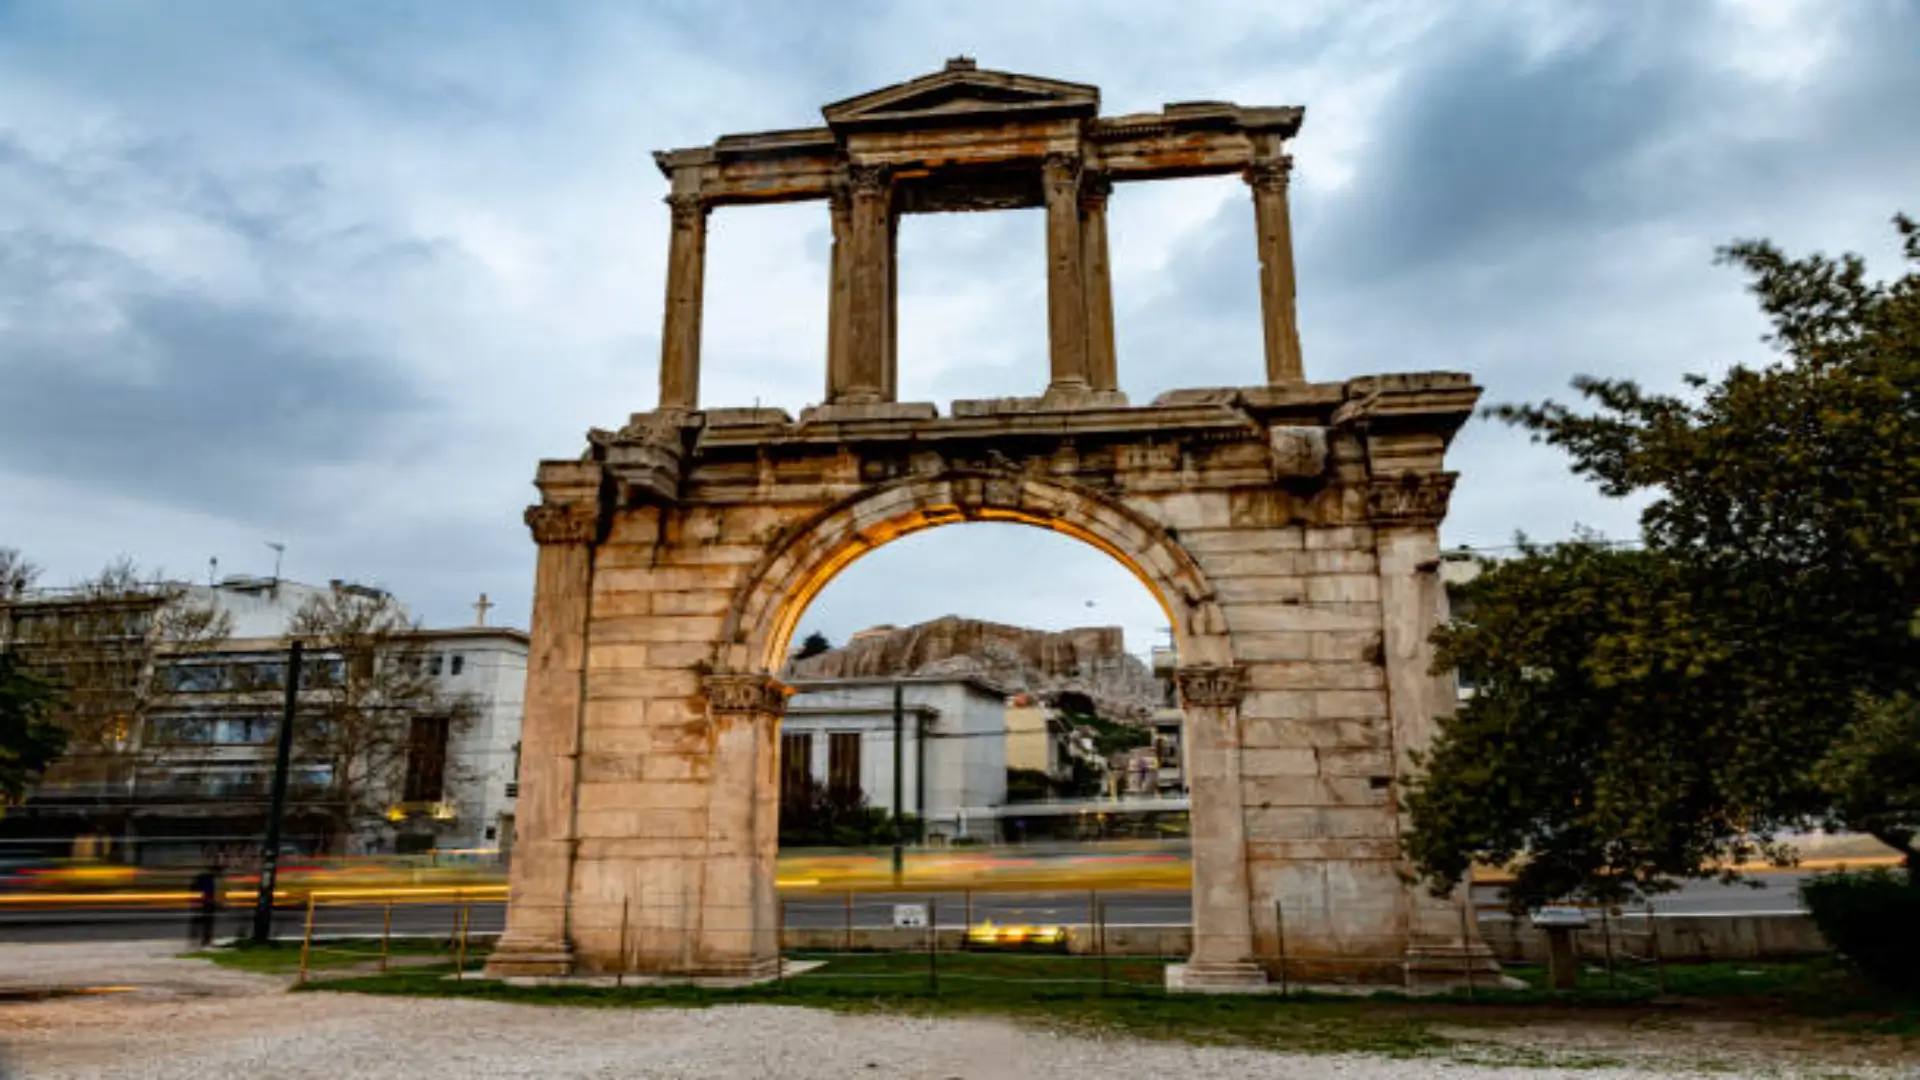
{"type": "Point", "coordinates": [1873, 920]}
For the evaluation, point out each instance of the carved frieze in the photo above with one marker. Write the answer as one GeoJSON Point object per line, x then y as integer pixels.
{"type": "Point", "coordinates": [1409, 498]}
{"type": "Point", "coordinates": [1212, 686]}
{"type": "Point", "coordinates": [746, 693]}
{"type": "Point", "coordinates": [567, 523]}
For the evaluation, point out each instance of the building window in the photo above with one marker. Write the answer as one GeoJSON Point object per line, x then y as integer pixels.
{"type": "Point", "coordinates": [843, 762]}
{"type": "Point", "coordinates": [796, 764]}
{"type": "Point", "coordinates": [433, 665]}
{"type": "Point", "coordinates": [458, 662]}
{"type": "Point", "coordinates": [426, 760]}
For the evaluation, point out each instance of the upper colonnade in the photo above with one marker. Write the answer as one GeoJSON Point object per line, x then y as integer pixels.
{"type": "Point", "coordinates": [968, 139]}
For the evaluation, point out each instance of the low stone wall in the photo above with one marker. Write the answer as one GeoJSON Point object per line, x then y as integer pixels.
{"type": "Point", "coordinates": [1170, 941]}
{"type": "Point", "coordinates": [1682, 939]}
{"type": "Point", "coordinates": [1675, 938]}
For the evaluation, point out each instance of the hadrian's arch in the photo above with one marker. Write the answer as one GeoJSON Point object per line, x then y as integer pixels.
{"type": "Point", "coordinates": [1290, 529]}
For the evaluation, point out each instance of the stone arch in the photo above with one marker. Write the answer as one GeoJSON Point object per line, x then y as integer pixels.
{"type": "Point", "coordinates": [770, 601]}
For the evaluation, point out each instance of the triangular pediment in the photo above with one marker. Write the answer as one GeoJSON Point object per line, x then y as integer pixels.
{"type": "Point", "coordinates": [963, 90]}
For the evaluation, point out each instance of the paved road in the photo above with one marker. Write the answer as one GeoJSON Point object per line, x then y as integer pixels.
{"type": "Point", "coordinates": [1771, 893]}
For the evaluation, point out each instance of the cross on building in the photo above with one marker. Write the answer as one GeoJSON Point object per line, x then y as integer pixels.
{"type": "Point", "coordinates": [480, 609]}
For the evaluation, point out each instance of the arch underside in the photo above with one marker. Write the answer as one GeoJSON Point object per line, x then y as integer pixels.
{"type": "Point", "coordinates": [778, 591]}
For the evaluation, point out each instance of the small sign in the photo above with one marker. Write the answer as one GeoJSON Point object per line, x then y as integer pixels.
{"type": "Point", "coordinates": [910, 916]}
{"type": "Point", "coordinates": [1560, 915]}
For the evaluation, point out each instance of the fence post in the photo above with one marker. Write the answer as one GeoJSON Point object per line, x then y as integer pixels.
{"type": "Point", "coordinates": [1606, 939]}
{"type": "Point", "coordinates": [386, 934]}
{"type": "Point", "coordinates": [306, 938]}
{"type": "Point", "coordinates": [1100, 938]}
{"type": "Point", "coordinates": [1653, 943]}
{"type": "Point", "coordinates": [460, 955]}
{"type": "Point", "coordinates": [1466, 933]}
{"type": "Point", "coordinates": [620, 973]}
{"type": "Point", "coordinates": [779, 939]}
{"type": "Point", "coordinates": [1280, 941]}
{"type": "Point", "coordinates": [933, 943]}
{"type": "Point", "coordinates": [849, 947]}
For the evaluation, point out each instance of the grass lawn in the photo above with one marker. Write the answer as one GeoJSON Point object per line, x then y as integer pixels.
{"type": "Point", "coordinates": [283, 958]}
{"type": "Point", "coordinates": [1818, 998]}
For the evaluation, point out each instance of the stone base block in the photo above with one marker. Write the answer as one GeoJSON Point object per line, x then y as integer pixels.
{"type": "Point", "coordinates": [1446, 967]}
{"type": "Point", "coordinates": [1215, 978]}
{"type": "Point", "coordinates": [517, 964]}
{"type": "Point", "coordinates": [770, 972]}
{"type": "Point", "coordinates": [835, 412]}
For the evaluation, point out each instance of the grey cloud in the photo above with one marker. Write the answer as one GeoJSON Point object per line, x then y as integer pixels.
{"type": "Point", "coordinates": [200, 402]}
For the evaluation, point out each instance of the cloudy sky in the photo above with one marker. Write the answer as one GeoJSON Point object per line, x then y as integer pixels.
{"type": "Point", "coordinates": [338, 274]}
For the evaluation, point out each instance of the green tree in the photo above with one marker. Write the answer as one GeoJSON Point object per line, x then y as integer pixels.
{"type": "Point", "coordinates": [814, 644]}
{"type": "Point", "coordinates": [30, 740]}
{"type": "Point", "coordinates": [1639, 714]}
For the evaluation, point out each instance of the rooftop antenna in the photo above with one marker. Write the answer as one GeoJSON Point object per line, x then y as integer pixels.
{"type": "Point", "coordinates": [279, 551]}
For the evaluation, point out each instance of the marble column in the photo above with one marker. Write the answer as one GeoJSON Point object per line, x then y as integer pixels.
{"type": "Point", "coordinates": [1222, 888]}
{"type": "Point", "coordinates": [1269, 182]}
{"type": "Point", "coordinates": [840, 204]}
{"type": "Point", "coordinates": [739, 907]}
{"type": "Point", "coordinates": [890, 364]}
{"type": "Point", "coordinates": [686, 274]}
{"type": "Point", "coordinates": [538, 938]}
{"type": "Point", "coordinates": [869, 274]}
{"type": "Point", "coordinates": [1103, 371]}
{"type": "Point", "coordinates": [1066, 288]}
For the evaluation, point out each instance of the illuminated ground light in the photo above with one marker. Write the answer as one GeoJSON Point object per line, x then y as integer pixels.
{"type": "Point", "coordinates": [986, 935]}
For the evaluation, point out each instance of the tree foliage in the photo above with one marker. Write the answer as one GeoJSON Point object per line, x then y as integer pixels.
{"type": "Point", "coordinates": [813, 645]}
{"type": "Point", "coordinates": [103, 644]}
{"type": "Point", "coordinates": [29, 739]}
{"type": "Point", "coordinates": [371, 707]}
{"type": "Point", "coordinates": [813, 814]}
{"type": "Point", "coordinates": [1638, 714]}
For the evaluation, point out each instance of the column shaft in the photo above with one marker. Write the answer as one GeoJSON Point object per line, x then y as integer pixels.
{"type": "Point", "coordinates": [1222, 888]}
{"type": "Point", "coordinates": [1103, 371]}
{"type": "Point", "coordinates": [1066, 277]}
{"type": "Point", "coordinates": [537, 939]}
{"type": "Point", "coordinates": [890, 366]}
{"type": "Point", "coordinates": [1269, 182]}
{"type": "Point", "coordinates": [838, 291]}
{"type": "Point", "coordinates": [686, 273]}
{"type": "Point", "coordinates": [868, 274]}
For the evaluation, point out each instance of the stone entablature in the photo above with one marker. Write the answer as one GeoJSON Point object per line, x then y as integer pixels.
{"type": "Point", "coordinates": [969, 139]}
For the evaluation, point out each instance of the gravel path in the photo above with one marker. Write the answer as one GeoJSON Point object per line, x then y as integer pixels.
{"type": "Point", "coordinates": [189, 1019]}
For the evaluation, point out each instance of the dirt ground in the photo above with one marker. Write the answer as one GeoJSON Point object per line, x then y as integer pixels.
{"type": "Point", "coordinates": [153, 1016]}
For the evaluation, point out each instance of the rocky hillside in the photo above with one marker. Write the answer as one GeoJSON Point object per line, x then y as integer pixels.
{"type": "Point", "coordinates": [1089, 660]}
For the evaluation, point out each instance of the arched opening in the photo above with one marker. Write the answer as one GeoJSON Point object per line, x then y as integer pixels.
{"type": "Point", "coordinates": [976, 763]}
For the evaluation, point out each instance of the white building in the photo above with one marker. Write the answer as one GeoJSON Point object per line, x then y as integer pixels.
{"type": "Point", "coordinates": [953, 751]}
{"type": "Point", "coordinates": [486, 666]}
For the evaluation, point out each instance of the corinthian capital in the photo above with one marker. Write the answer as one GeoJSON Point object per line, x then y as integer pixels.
{"type": "Point", "coordinates": [564, 523]}
{"type": "Point", "coordinates": [746, 693]}
{"type": "Point", "coordinates": [1269, 174]}
{"type": "Point", "coordinates": [1094, 189]}
{"type": "Point", "coordinates": [1060, 172]}
{"type": "Point", "coordinates": [1409, 498]}
{"type": "Point", "coordinates": [1212, 686]}
{"type": "Point", "coordinates": [688, 210]}
{"type": "Point", "coordinates": [868, 180]}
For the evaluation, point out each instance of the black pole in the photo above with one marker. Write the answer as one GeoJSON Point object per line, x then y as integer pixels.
{"type": "Point", "coordinates": [920, 779]}
{"type": "Point", "coordinates": [899, 771]}
{"type": "Point", "coordinates": [282, 759]}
